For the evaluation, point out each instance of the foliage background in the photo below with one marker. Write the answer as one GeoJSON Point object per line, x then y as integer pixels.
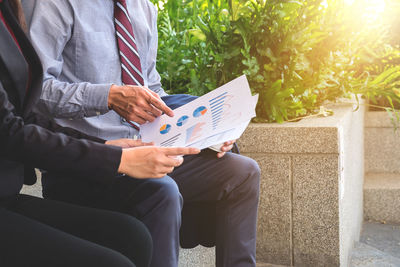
{"type": "Point", "coordinates": [296, 54]}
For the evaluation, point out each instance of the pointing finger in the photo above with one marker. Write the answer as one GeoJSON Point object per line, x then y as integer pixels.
{"type": "Point", "coordinates": [158, 103]}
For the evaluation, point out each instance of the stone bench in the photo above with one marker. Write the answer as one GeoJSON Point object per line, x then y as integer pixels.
{"type": "Point", "coordinates": [311, 187]}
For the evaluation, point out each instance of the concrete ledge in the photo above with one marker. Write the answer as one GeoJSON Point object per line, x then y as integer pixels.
{"type": "Point", "coordinates": [382, 144]}
{"type": "Point", "coordinates": [382, 197]}
{"type": "Point", "coordinates": [378, 119]}
{"type": "Point", "coordinates": [311, 188]}
{"type": "Point", "coordinates": [287, 139]}
{"type": "Point", "coordinates": [308, 136]}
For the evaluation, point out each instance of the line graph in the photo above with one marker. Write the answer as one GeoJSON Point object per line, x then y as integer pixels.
{"type": "Point", "coordinates": [171, 141]}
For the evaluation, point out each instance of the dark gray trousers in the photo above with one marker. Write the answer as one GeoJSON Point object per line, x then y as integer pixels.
{"type": "Point", "coordinates": [219, 198]}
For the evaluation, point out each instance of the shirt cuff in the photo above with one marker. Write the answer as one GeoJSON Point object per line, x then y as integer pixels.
{"type": "Point", "coordinates": [162, 93]}
{"type": "Point", "coordinates": [95, 98]}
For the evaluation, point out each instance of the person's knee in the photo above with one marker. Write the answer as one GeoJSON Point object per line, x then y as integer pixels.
{"type": "Point", "coordinates": [254, 169]}
{"type": "Point", "coordinates": [135, 239]}
{"type": "Point", "coordinates": [134, 231]}
{"type": "Point", "coordinates": [247, 172]}
{"type": "Point", "coordinates": [253, 173]}
{"type": "Point", "coordinates": [170, 196]}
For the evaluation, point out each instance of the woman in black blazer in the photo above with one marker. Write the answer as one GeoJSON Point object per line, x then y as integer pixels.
{"type": "Point", "coordinates": [37, 232]}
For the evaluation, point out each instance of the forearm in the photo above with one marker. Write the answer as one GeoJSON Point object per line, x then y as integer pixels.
{"type": "Point", "coordinates": [51, 125]}
{"type": "Point", "coordinates": [57, 152]}
{"type": "Point", "coordinates": [38, 147]}
{"type": "Point", "coordinates": [50, 34]}
{"type": "Point", "coordinates": [73, 100]}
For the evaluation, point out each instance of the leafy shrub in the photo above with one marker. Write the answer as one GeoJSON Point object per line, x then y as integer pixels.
{"type": "Point", "coordinates": [296, 54]}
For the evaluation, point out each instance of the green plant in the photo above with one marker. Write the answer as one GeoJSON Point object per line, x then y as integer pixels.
{"type": "Point", "coordinates": [197, 46]}
{"type": "Point", "coordinates": [296, 54]}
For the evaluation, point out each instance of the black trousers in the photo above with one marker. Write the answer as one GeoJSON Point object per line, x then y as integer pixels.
{"type": "Point", "coordinates": [37, 232]}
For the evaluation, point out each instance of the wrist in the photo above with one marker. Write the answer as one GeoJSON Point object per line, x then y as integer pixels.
{"type": "Point", "coordinates": [111, 96]}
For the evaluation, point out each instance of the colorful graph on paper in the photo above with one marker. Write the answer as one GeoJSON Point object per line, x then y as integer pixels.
{"type": "Point", "coordinates": [194, 132]}
{"type": "Point", "coordinates": [182, 121]}
{"type": "Point", "coordinates": [200, 111]}
{"type": "Point", "coordinates": [165, 129]}
{"type": "Point", "coordinates": [171, 141]}
{"type": "Point", "coordinates": [210, 119]}
{"type": "Point", "coordinates": [217, 109]}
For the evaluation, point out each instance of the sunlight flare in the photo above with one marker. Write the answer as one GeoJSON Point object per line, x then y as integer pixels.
{"type": "Point", "coordinates": [370, 10]}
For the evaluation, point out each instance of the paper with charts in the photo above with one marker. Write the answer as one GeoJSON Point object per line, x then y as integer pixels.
{"type": "Point", "coordinates": [211, 119]}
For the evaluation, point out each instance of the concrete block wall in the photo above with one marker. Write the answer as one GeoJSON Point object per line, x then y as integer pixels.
{"type": "Point", "coordinates": [311, 188]}
{"type": "Point", "coordinates": [382, 159]}
{"type": "Point", "coordinates": [382, 144]}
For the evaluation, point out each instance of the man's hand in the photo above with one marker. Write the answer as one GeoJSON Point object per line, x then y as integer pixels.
{"type": "Point", "coordinates": [225, 147]}
{"type": "Point", "coordinates": [152, 162]}
{"type": "Point", "coordinates": [127, 143]}
{"type": "Point", "coordinates": [137, 103]}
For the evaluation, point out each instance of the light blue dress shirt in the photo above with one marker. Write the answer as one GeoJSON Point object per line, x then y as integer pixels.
{"type": "Point", "coordinates": [76, 42]}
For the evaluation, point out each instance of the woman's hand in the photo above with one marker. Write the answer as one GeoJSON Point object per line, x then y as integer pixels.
{"type": "Point", "coordinates": [152, 162]}
{"type": "Point", "coordinates": [127, 143]}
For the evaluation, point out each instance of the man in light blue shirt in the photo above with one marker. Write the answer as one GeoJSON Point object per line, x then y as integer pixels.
{"type": "Point", "coordinates": [76, 41]}
{"type": "Point", "coordinates": [81, 61]}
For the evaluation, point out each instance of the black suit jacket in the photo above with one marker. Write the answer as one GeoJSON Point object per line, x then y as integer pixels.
{"type": "Point", "coordinates": [27, 139]}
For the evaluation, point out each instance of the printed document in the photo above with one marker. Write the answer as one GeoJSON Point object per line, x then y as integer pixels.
{"type": "Point", "coordinates": [219, 116]}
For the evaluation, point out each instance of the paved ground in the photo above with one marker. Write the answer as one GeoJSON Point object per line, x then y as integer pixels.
{"type": "Point", "coordinates": [379, 246]}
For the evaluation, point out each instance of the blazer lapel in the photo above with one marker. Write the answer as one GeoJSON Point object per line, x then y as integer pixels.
{"type": "Point", "coordinates": [33, 94]}
{"type": "Point", "coordinates": [36, 68]}
{"type": "Point", "coordinates": [14, 61]}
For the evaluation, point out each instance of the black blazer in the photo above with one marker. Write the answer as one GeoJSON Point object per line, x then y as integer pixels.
{"type": "Point", "coordinates": [27, 139]}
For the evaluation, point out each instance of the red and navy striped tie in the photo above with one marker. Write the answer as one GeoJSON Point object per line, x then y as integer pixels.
{"type": "Point", "coordinates": [131, 69]}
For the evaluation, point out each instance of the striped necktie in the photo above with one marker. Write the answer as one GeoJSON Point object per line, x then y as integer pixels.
{"type": "Point", "coordinates": [131, 69]}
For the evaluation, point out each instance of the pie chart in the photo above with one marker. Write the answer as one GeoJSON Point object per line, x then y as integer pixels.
{"type": "Point", "coordinates": [165, 129]}
{"type": "Point", "coordinates": [200, 111]}
{"type": "Point", "coordinates": [182, 120]}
